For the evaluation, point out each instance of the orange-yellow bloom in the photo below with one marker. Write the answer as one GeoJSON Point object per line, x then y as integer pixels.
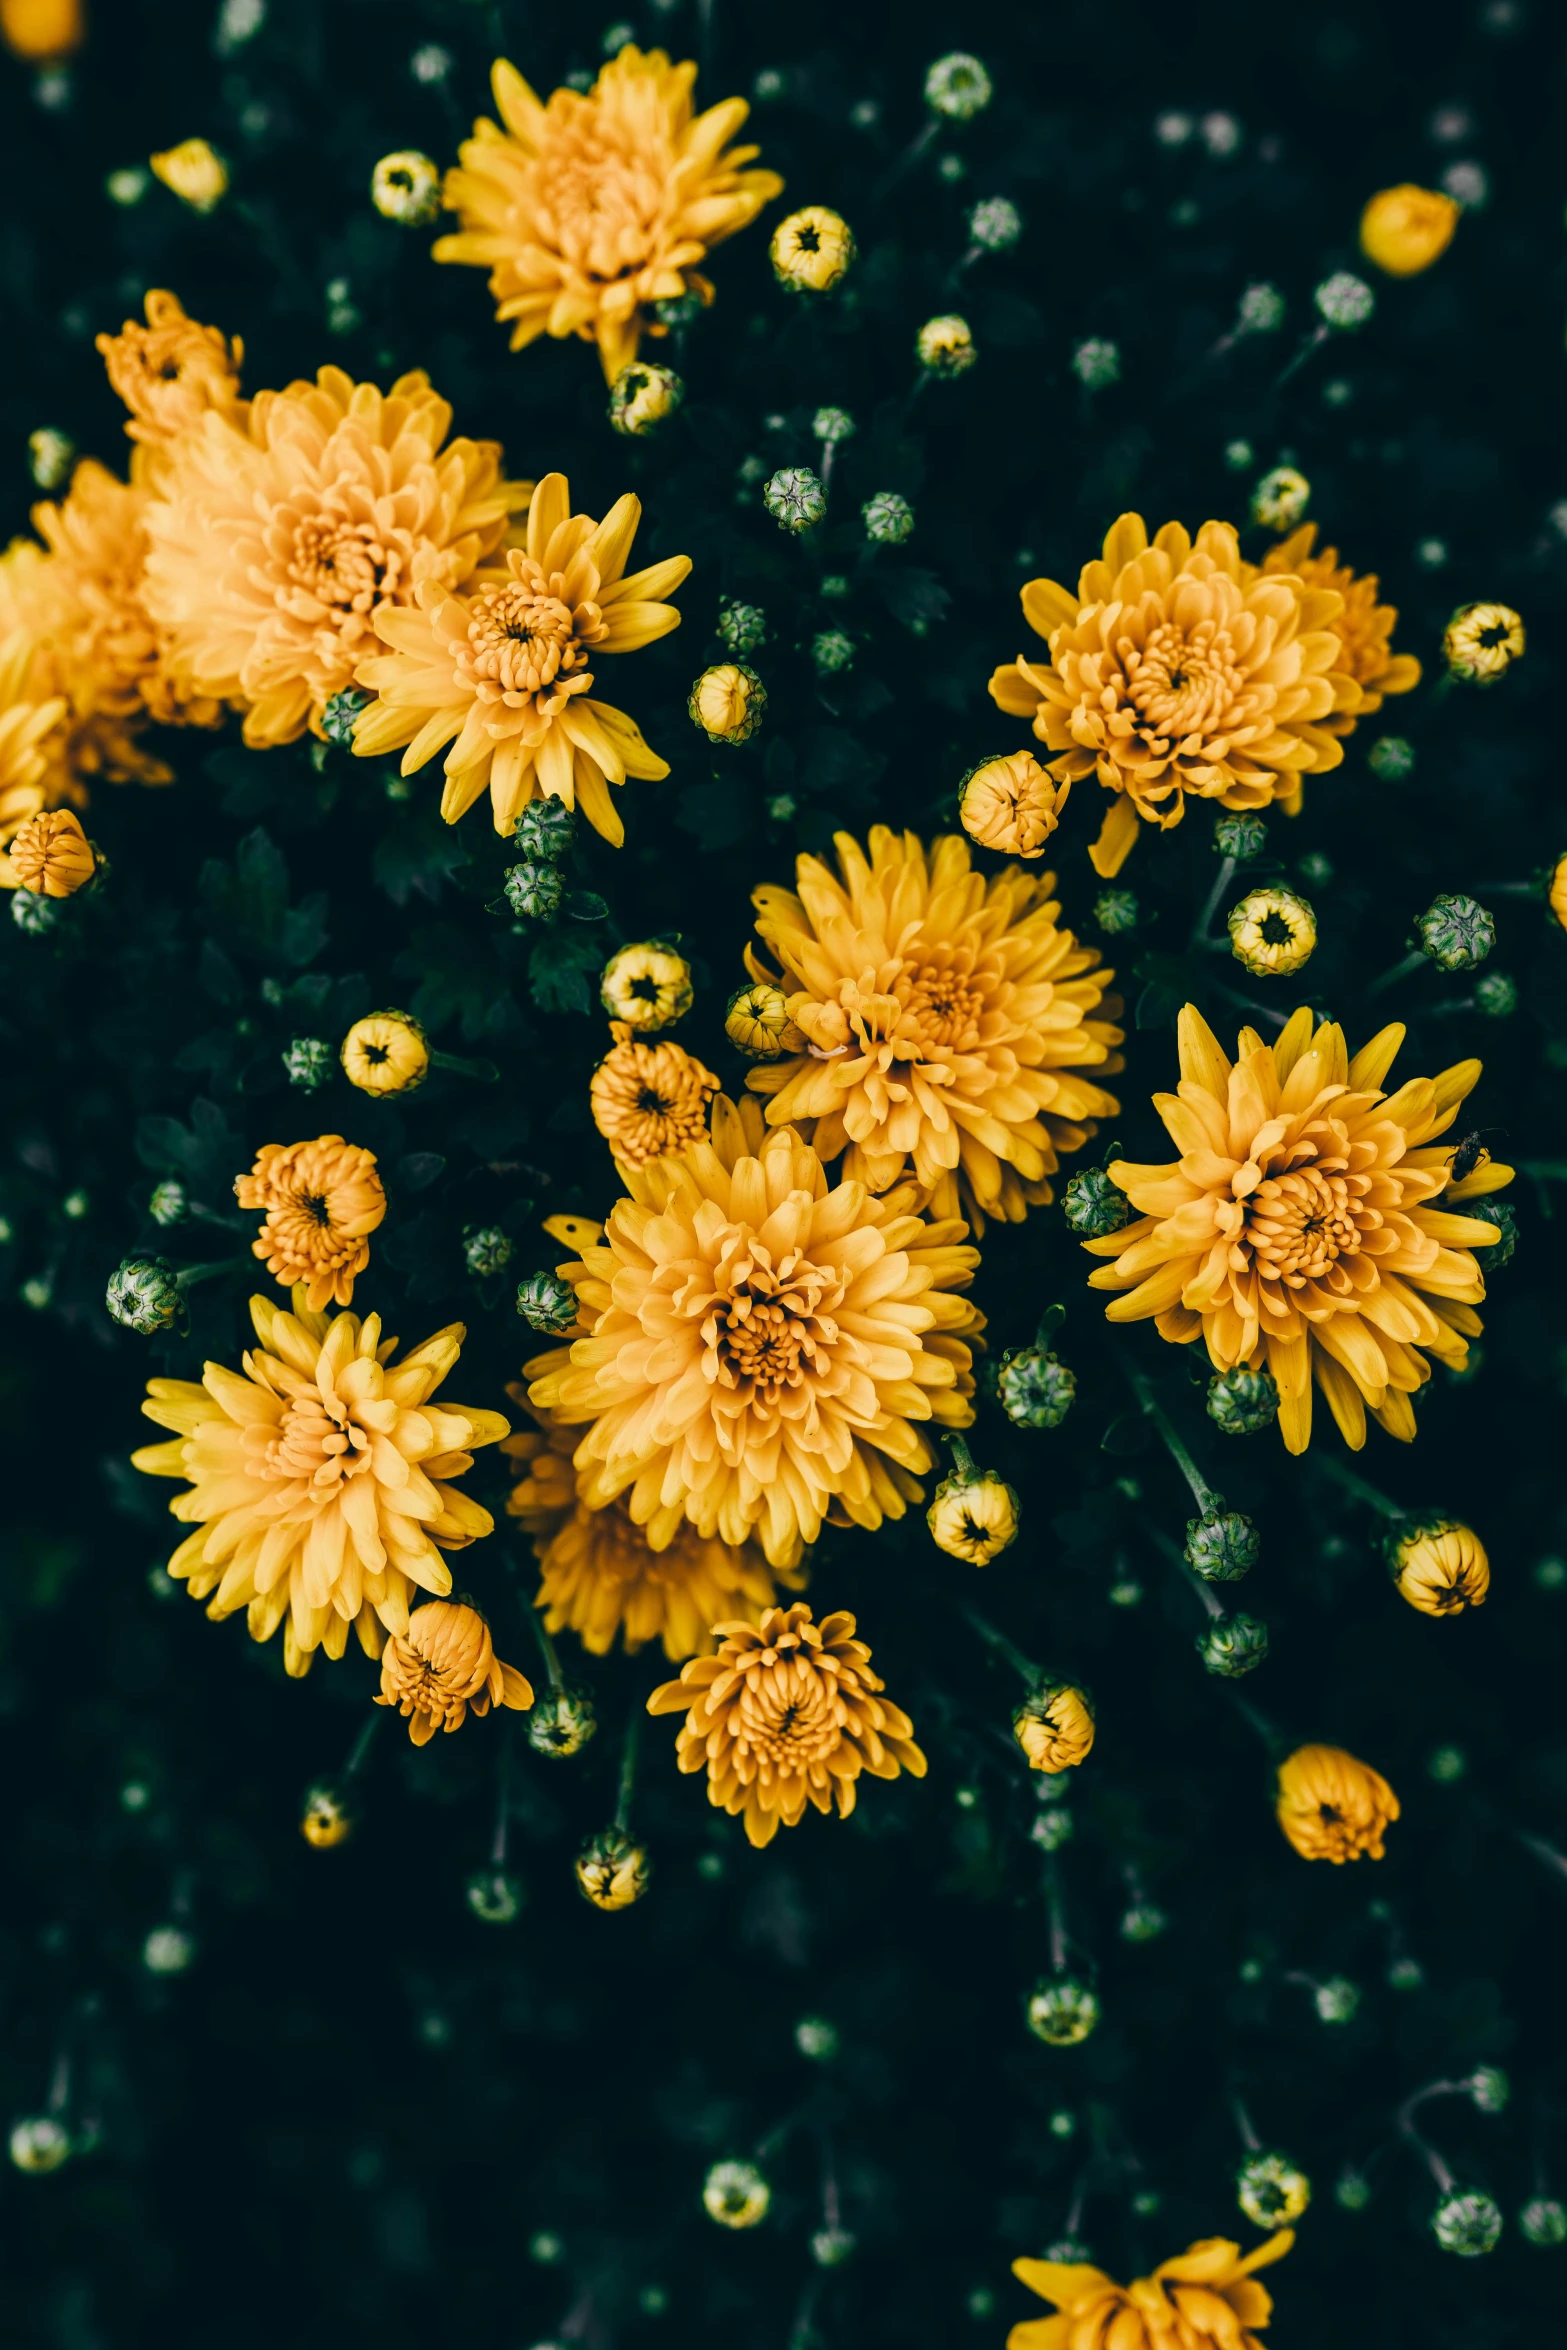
{"type": "Point", "coordinates": [319, 1478]}
{"type": "Point", "coordinates": [787, 1713]}
{"type": "Point", "coordinates": [948, 1023]}
{"type": "Point", "coordinates": [591, 208]}
{"type": "Point", "coordinates": [649, 1100]}
{"type": "Point", "coordinates": [28, 722]}
{"type": "Point", "coordinates": [1208, 2295]}
{"type": "Point", "coordinates": [1364, 628]}
{"type": "Point", "coordinates": [763, 1351]}
{"type": "Point", "coordinates": [50, 855]}
{"type": "Point", "coordinates": [503, 673]}
{"type": "Point", "coordinates": [1404, 229]}
{"type": "Point", "coordinates": [171, 371]}
{"type": "Point", "coordinates": [279, 535]}
{"type": "Point", "coordinates": [41, 29]}
{"type": "Point", "coordinates": [443, 1665]}
{"type": "Point", "coordinates": [322, 1200]}
{"type": "Point", "coordinates": [1174, 674]}
{"type": "Point", "coordinates": [1332, 1806]}
{"type": "Point", "coordinates": [1299, 1228]}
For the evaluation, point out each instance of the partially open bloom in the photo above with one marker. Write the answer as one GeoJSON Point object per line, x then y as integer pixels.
{"type": "Point", "coordinates": [1364, 627]}
{"type": "Point", "coordinates": [1439, 1565]}
{"type": "Point", "coordinates": [406, 187]}
{"type": "Point", "coordinates": [643, 397]}
{"type": "Point", "coordinates": [757, 1021]}
{"type": "Point", "coordinates": [761, 1350]}
{"type": "Point", "coordinates": [1055, 1727]}
{"type": "Point", "coordinates": [646, 986]}
{"type": "Point", "coordinates": [194, 172]}
{"type": "Point", "coordinates": [1011, 804]}
{"type": "Point", "coordinates": [280, 535]}
{"type": "Point", "coordinates": [502, 672]}
{"type": "Point", "coordinates": [787, 1713]}
{"type": "Point", "coordinates": [945, 346]}
{"type": "Point", "coordinates": [974, 1515]}
{"type": "Point", "coordinates": [948, 1022]}
{"type": "Point", "coordinates": [319, 1478]}
{"type": "Point", "coordinates": [588, 210]}
{"type": "Point", "coordinates": [443, 1665]}
{"type": "Point", "coordinates": [1482, 641]}
{"type": "Point", "coordinates": [736, 2195]}
{"type": "Point", "coordinates": [727, 702]}
{"type": "Point", "coordinates": [1174, 674]}
{"type": "Point", "coordinates": [1404, 229]}
{"type": "Point", "coordinates": [41, 30]}
{"type": "Point", "coordinates": [1208, 2295]}
{"type": "Point", "coordinates": [1280, 498]}
{"type": "Point", "coordinates": [28, 722]}
{"type": "Point", "coordinates": [322, 1200]}
{"type": "Point", "coordinates": [50, 855]}
{"type": "Point", "coordinates": [1272, 930]}
{"type": "Point", "coordinates": [1556, 889]}
{"type": "Point", "coordinates": [1270, 2189]}
{"type": "Point", "coordinates": [650, 1099]}
{"type": "Point", "coordinates": [613, 1870]}
{"type": "Point", "coordinates": [812, 250]}
{"type": "Point", "coordinates": [171, 371]}
{"type": "Point", "coordinates": [1299, 1228]}
{"type": "Point", "coordinates": [385, 1052]}
{"type": "Point", "coordinates": [1332, 1807]}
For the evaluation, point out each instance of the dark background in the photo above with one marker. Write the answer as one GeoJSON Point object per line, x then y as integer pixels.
{"type": "Point", "coordinates": [355, 2114]}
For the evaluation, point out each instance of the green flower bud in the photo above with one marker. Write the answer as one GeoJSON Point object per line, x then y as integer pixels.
{"type": "Point", "coordinates": [1543, 2222]}
{"type": "Point", "coordinates": [337, 719]}
{"type": "Point", "coordinates": [736, 2195]}
{"type": "Point", "coordinates": [831, 2247]}
{"type": "Point", "coordinates": [1096, 364]}
{"type": "Point", "coordinates": [832, 425]}
{"type": "Point", "coordinates": [406, 187]}
{"type": "Point", "coordinates": [1352, 2189]}
{"type": "Point", "coordinates": [1391, 758]}
{"type": "Point", "coordinates": [1335, 2000]}
{"type": "Point", "coordinates": [535, 890]}
{"type": "Point", "coordinates": [494, 1897]}
{"type": "Point", "coordinates": [544, 831]}
{"type": "Point", "coordinates": [742, 628]}
{"type": "Point", "coordinates": [1092, 1205]}
{"type": "Point", "coordinates": [486, 1251]}
{"type": "Point", "coordinates": [547, 1304]}
{"type": "Point", "coordinates": [613, 1870]}
{"type": "Point", "coordinates": [1243, 837]}
{"type": "Point", "coordinates": [888, 519]}
{"type": "Point", "coordinates": [1243, 1401]}
{"type": "Point", "coordinates": [995, 224]}
{"type": "Point", "coordinates": [1271, 2191]}
{"type": "Point", "coordinates": [1316, 868]}
{"type": "Point", "coordinates": [1344, 300]}
{"type": "Point", "coordinates": [1490, 2088]}
{"type": "Point", "coordinates": [168, 1204]}
{"type": "Point", "coordinates": [642, 397]}
{"type": "Point", "coordinates": [1062, 2010]}
{"type": "Point", "coordinates": [1033, 1389]}
{"type": "Point", "coordinates": [50, 457]}
{"type": "Point", "coordinates": [1221, 1546]}
{"type": "Point", "coordinates": [562, 1721]}
{"type": "Point", "coordinates": [308, 1061]}
{"type": "Point", "coordinates": [1052, 1827]}
{"type": "Point", "coordinates": [1467, 2222]}
{"type": "Point", "coordinates": [1233, 1645]}
{"type": "Point", "coordinates": [33, 912]}
{"type": "Point", "coordinates": [1280, 499]}
{"type": "Point", "coordinates": [958, 87]}
{"type": "Point", "coordinates": [1261, 311]}
{"type": "Point", "coordinates": [795, 498]}
{"type": "Point", "coordinates": [1494, 1254]}
{"type": "Point", "coordinates": [40, 2144]}
{"type": "Point", "coordinates": [143, 1295]}
{"type": "Point", "coordinates": [1116, 911]}
{"type": "Point", "coordinates": [1144, 1921]}
{"type": "Point", "coordinates": [816, 2038]}
{"type": "Point", "coordinates": [832, 651]}
{"type": "Point", "coordinates": [1456, 933]}
{"type": "Point", "coordinates": [677, 310]}
{"type": "Point", "coordinates": [168, 1950]}
{"type": "Point", "coordinates": [1496, 995]}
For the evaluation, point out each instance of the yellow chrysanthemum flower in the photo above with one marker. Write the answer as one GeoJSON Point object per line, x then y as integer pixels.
{"type": "Point", "coordinates": [27, 726]}
{"type": "Point", "coordinates": [1332, 1806]}
{"type": "Point", "coordinates": [589, 209]}
{"type": "Point", "coordinates": [947, 1022]}
{"type": "Point", "coordinates": [502, 673]}
{"type": "Point", "coordinates": [762, 1351]}
{"type": "Point", "coordinates": [41, 30]}
{"type": "Point", "coordinates": [1298, 1228]}
{"type": "Point", "coordinates": [1364, 627]}
{"type": "Point", "coordinates": [170, 371]}
{"type": "Point", "coordinates": [649, 1100]}
{"type": "Point", "coordinates": [445, 1666]}
{"type": "Point", "coordinates": [1171, 673]}
{"type": "Point", "coordinates": [322, 1201]}
{"type": "Point", "coordinates": [319, 1478]}
{"type": "Point", "coordinates": [50, 855]}
{"type": "Point", "coordinates": [1207, 2298]}
{"type": "Point", "coordinates": [278, 536]}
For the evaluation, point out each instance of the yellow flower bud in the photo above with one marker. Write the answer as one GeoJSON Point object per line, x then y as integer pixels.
{"type": "Point", "coordinates": [975, 1513]}
{"type": "Point", "coordinates": [945, 346]}
{"type": "Point", "coordinates": [1481, 641]}
{"type": "Point", "coordinates": [1557, 889]}
{"type": "Point", "coordinates": [41, 29]}
{"type": "Point", "coordinates": [727, 702]}
{"type": "Point", "coordinates": [642, 396]}
{"type": "Point", "coordinates": [197, 175]}
{"type": "Point", "coordinates": [1332, 1806]}
{"type": "Point", "coordinates": [1404, 229]}
{"type": "Point", "coordinates": [1280, 498]}
{"type": "Point", "coordinates": [50, 855]}
{"type": "Point", "coordinates": [1055, 1727]}
{"type": "Point", "coordinates": [646, 986]}
{"type": "Point", "coordinates": [1011, 804]}
{"type": "Point", "coordinates": [406, 187]}
{"type": "Point", "coordinates": [757, 1022]}
{"type": "Point", "coordinates": [1439, 1565]}
{"type": "Point", "coordinates": [327, 1818]}
{"type": "Point", "coordinates": [811, 250]}
{"type": "Point", "coordinates": [386, 1052]}
{"type": "Point", "coordinates": [613, 1870]}
{"type": "Point", "coordinates": [1272, 931]}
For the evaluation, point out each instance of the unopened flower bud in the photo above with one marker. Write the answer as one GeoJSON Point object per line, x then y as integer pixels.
{"type": "Point", "coordinates": [1062, 2010]}
{"type": "Point", "coordinates": [39, 2144]}
{"type": "Point", "coordinates": [1438, 1564]}
{"type": "Point", "coordinates": [1280, 499]}
{"type": "Point", "coordinates": [1543, 2222]}
{"type": "Point", "coordinates": [1243, 837]}
{"type": "Point", "coordinates": [1271, 2191]}
{"type": "Point", "coordinates": [1351, 2189]}
{"type": "Point", "coordinates": [832, 651]}
{"type": "Point", "coordinates": [1033, 1389]}
{"type": "Point", "coordinates": [1481, 642]}
{"type": "Point", "coordinates": [169, 1203]}
{"type": "Point", "coordinates": [945, 346]}
{"type": "Point", "coordinates": [562, 1721]}
{"type": "Point", "coordinates": [816, 2038]}
{"type": "Point", "coordinates": [1221, 1545]}
{"type": "Point", "coordinates": [1143, 1921]}
{"type": "Point", "coordinates": [1404, 229]}
{"type": "Point", "coordinates": [888, 519]}
{"type": "Point", "coordinates": [831, 2247]}
{"type": "Point", "coordinates": [1260, 311]}
{"type": "Point", "coordinates": [1335, 1999]}
{"type": "Point", "coordinates": [742, 628]}
{"type": "Point", "coordinates": [832, 425]}
{"type": "Point", "coordinates": [340, 714]}
{"type": "Point", "coordinates": [736, 2195]}
{"type": "Point", "coordinates": [327, 1818]}
{"type": "Point", "coordinates": [1232, 1645]}
{"type": "Point", "coordinates": [1496, 996]}
{"type": "Point", "coordinates": [795, 499]}
{"type": "Point", "coordinates": [1492, 1255]}
{"type": "Point", "coordinates": [1391, 758]}
{"type": "Point", "coordinates": [1093, 1206]}
{"type": "Point", "coordinates": [385, 1053]}
{"type": "Point", "coordinates": [50, 457]}
{"type": "Point", "coordinates": [168, 1950]}
{"type": "Point", "coordinates": [308, 1061]}
{"type": "Point", "coordinates": [535, 890]}
{"type": "Point", "coordinates": [1011, 804]}
{"type": "Point", "coordinates": [958, 87]}
{"type": "Point", "coordinates": [406, 187]}
{"type": "Point", "coordinates": [1242, 1401]}
{"type": "Point", "coordinates": [547, 1304]}
{"type": "Point", "coordinates": [757, 1022]}
{"type": "Point", "coordinates": [1273, 931]}
{"type": "Point", "coordinates": [1097, 364]}
{"type": "Point", "coordinates": [1456, 933]}
{"type": "Point", "coordinates": [642, 397]}
{"type": "Point", "coordinates": [486, 1251]}
{"type": "Point", "coordinates": [33, 913]}
{"type": "Point", "coordinates": [194, 173]}
{"type": "Point", "coordinates": [646, 986]}
{"type": "Point", "coordinates": [143, 1295]}
{"type": "Point", "coordinates": [812, 250]}
{"type": "Point", "coordinates": [613, 1870]}
{"type": "Point", "coordinates": [727, 703]}
{"type": "Point", "coordinates": [1467, 2222]}
{"type": "Point", "coordinates": [995, 224]}
{"type": "Point", "coordinates": [1055, 1727]}
{"type": "Point", "coordinates": [1344, 300]}
{"type": "Point", "coordinates": [1052, 1827]}
{"type": "Point", "coordinates": [494, 1897]}
{"type": "Point", "coordinates": [1490, 2088]}
{"type": "Point", "coordinates": [1116, 911]}
{"type": "Point", "coordinates": [544, 831]}
{"type": "Point", "coordinates": [974, 1515]}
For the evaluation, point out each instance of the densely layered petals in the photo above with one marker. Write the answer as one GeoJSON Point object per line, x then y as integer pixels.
{"type": "Point", "coordinates": [30, 725]}
{"type": "Point", "coordinates": [171, 370]}
{"type": "Point", "coordinates": [322, 1199]}
{"type": "Point", "coordinates": [1208, 2295]}
{"type": "Point", "coordinates": [1364, 627]}
{"type": "Point", "coordinates": [444, 1667]}
{"type": "Point", "coordinates": [1299, 1228]}
{"type": "Point", "coordinates": [1332, 1806]}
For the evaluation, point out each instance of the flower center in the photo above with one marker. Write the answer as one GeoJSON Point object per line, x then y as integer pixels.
{"type": "Point", "coordinates": [1182, 681]}
{"type": "Point", "coordinates": [1299, 1225]}
{"type": "Point", "coordinates": [788, 1712]}
{"type": "Point", "coordinates": [768, 1333]}
{"type": "Point", "coordinates": [341, 563]}
{"type": "Point", "coordinates": [603, 198]}
{"type": "Point", "coordinates": [315, 1440]}
{"type": "Point", "coordinates": [943, 1008]}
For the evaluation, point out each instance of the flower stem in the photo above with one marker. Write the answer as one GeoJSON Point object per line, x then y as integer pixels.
{"type": "Point", "coordinates": [547, 1650]}
{"type": "Point", "coordinates": [1003, 1647]}
{"type": "Point", "coordinates": [1400, 970]}
{"type": "Point", "coordinates": [502, 1805]}
{"type": "Point", "coordinates": [628, 1770]}
{"type": "Point", "coordinates": [188, 1275]}
{"type": "Point", "coordinates": [962, 1458]}
{"type": "Point", "coordinates": [1208, 1502]}
{"type": "Point", "coordinates": [1056, 1916]}
{"type": "Point", "coordinates": [485, 1071]}
{"type": "Point", "coordinates": [1313, 342]}
{"type": "Point", "coordinates": [361, 1746]}
{"type": "Point", "coordinates": [1352, 1483]}
{"type": "Point", "coordinates": [1243, 2122]}
{"type": "Point", "coordinates": [1271, 1738]}
{"type": "Point", "coordinates": [916, 147]}
{"type": "Point", "coordinates": [1407, 2131]}
{"type": "Point", "coordinates": [1204, 1591]}
{"type": "Point", "coordinates": [1222, 880]}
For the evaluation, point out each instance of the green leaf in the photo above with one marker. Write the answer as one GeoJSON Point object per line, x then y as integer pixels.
{"type": "Point", "coordinates": [558, 971]}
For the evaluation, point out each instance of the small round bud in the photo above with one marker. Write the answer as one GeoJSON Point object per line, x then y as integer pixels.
{"type": "Point", "coordinates": [1116, 912]}
{"type": "Point", "coordinates": [1467, 2222]}
{"type": "Point", "coordinates": [888, 519]}
{"type": "Point", "coordinates": [308, 1061]}
{"type": "Point", "coordinates": [1404, 229]}
{"type": "Point", "coordinates": [757, 1023]}
{"type": "Point", "coordinates": [1543, 2222]}
{"type": "Point", "coordinates": [1280, 499]}
{"type": "Point", "coordinates": [1243, 1401]}
{"type": "Point", "coordinates": [1405, 1974]}
{"type": "Point", "coordinates": [613, 1870]}
{"type": "Point", "coordinates": [1052, 1828]}
{"type": "Point", "coordinates": [1097, 364]}
{"type": "Point", "coordinates": [494, 1897]}
{"type": "Point", "coordinates": [831, 2247]}
{"type": "Point", "coordinates": [642, 397]}
{"type": "Point", "coordinates": [1243, 837]}
{"type": "Point", "coordinates": [1456, 933]}
{"type": "Point", "coordinates": [1260, 311]}
{"type": "Point", "coordinates": [406, 187]}
{"type": "Point", "coordinates": [1033, 1389]}
{"type": "Point", "coordinates": [995, 224]}
{"type": "Point", "coordinates": [1316, 868]}
{"type": "Point", "coordinates": [1221, 1546]}
{"type": "Point", "coordinates": [1062, 2010]}
{"type": "Point", "coordinates": [545, 2247]}
{"type": "Point", "coordinates": [168, 1950]}
{"type": "Point", "coordinates": [1143, 1921]}
{"type": "Point", "coordinates": [562, 1721]}
{"type": "Point", "coordinates": [958, 87]}
{"type": "Point", "coordinates": [1438, 1564]}
{"type": "Point", "coordinates": [1496, 995]}
{"type": "Point", "coordinates": [1011, 804]}
{"type": "Point", "coordinates": [486, 1251]}
{"type": "Point", "coordinates": [544, 831]}
{"type": "Point", "coordinates": [143, 1295]}
{"type": "Point", "coordinates": [1233, 1645]}
{"type": "Point", "coordinates": [646, 986]}
{"type": "Point", "coordinates": [676, 311]}
{"type": "Point", "coordinates": [1490, 2088]}
{"type": "Point", "coordinates": [385, 1053]}
{"type": "Point", "coordinates": [742, 628]}
{"type": "Point", "coordinates": [338, 717]}
{"type": "Point", "coordinates": [1093, 1206]}
{"type": "Point", "coordinates": [832, 425]}
{"type": "Point", "coordinates": [169, 1203]}
{"type": "Point", "coordinates": [974, 1516]}
{"type": "Point", "coordinates": [1492, 1255]}
{"type": "Point", "coordinates": [39, 2144]}
{"type": "Point", "coordinates": [945, 346]}
{"type": "Point", "coordinates": [326, 1818]}
{"type": "Point", "coordinates": [1271, 2191]}
{"type": "Point", "coordinates": [50, 457]}
{"type": "Point", "coordinates": [535, 890]}
{"type": "Point", "coordinates": [1273, 931]}
{"type": "Point", "coordinates": [736, 2195]}
{"type": "Point", "coordinates": [816, 2038]}
{"type": "Point", "coordinates": [832, 652]}
{"type": "Point", "coordinates": [1055, 1727]}
{"type": "Point", "coordinates": [795, 499]}
{"type": "Point", "coordinates": [1344, 300]}
{"type": "Point", "coordinates": [1351, 2189]}
{"type": "Point", "coordinates": [33, 913]}
{"type": "Point", "coordinates": [1481, 642]}
{"type": "Point", "coordinates": [1391, 758]}
{"type": "Point", "coordinates": [547, 1304]}
{"type": "Point", "coordinates": [52, 856]}
{"type": "Point", "coordinates": [812, 250]}
{"type": "Point", "coordinates": [1335, 1999]}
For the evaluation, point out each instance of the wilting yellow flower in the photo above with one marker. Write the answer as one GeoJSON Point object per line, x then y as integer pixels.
{"type": "Point", "coordinates": [1207, 2295]}
{"type": "Point", "coordinates": [786, 1714]}
{"type": "Point", "coordinates": [171, 371]}
{"type": "Point", "coordinates": [762, 1350]}
{"type": "Point", "coordinates": [41, 29]}
{"type": "Point", "coordinates": [1364, 628]}
{"type": "Point", "coordinates": [588, 210]}
{"type": "Point", "coordinates": [646, 986]}
{"type": "Point", "coordinates": [974, 1515]}
{"type": "Point", "coordinates": [280, 535]}
{"type": "Point", "coordinates": [947, 1020]}
{"type": "Point", "coordinates": [194, 172]}
{"type": "Point", "coordinates": [385, 1052]}
{"type": "Point", "coordinates": [319, 1478]}
{"type": "Point", "coordinates": [1404, 229]}
{"type": "Point", "coordinates": [322, 1200]}
{"type": "Point", "coordinates": [1273, 931]}
{"type": "Point", "coordinates": [812, 250]}
{"type": "Point", "coordinates": [1171, 673]}
{"type": "Point", "coordinates": [501, 672]}
{"type": "Point", "coordinates": [1011, 804]}
{"type": "Point", "coordinates": [1482, 641]}
{"type": "Point", "coordinates": [26, 728]}
{"type": "Point", "coordinates": [1055, 1727]}
{"type": "Point", "coordinates": [727, 702]}
{"type": "Point", "coordinates": [444, 1663]}
{"type": "Point", "coordinates": [1298, 1228]}
{"type": "Point", "coordinates": [650, 1099]}
{"type": "Point", "coordinates": [50, 855]}
{"type": "Point", "coordinates": [1332, 1807]}
{"type": "Point", "coordinates": [1439, 1565]}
